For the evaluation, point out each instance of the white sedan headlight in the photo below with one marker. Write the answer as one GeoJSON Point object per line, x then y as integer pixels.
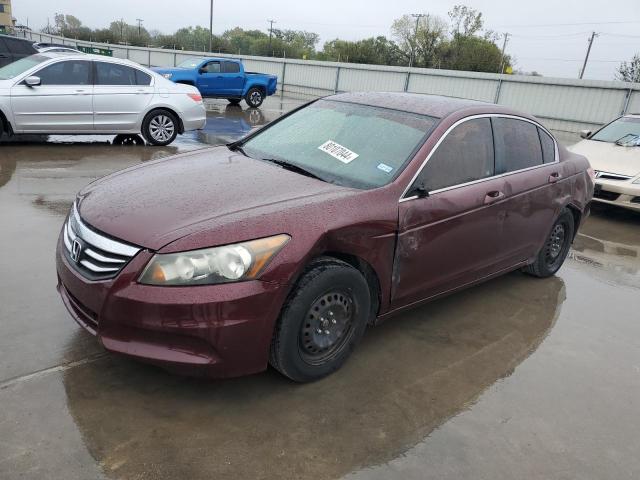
{"type": "Point", "coordinates": [167, 75]}
{"type": "Point", "coordinates": [229, 263]}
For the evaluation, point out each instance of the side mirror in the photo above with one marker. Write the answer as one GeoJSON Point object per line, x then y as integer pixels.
{"type": "Point", "coordinates": [202, 70]}
{"type": "Point", "coordinates": [421, 191]}
{"type": "Point", "coordinates": [585, 133]}
{"type": "Point", "coordinates": [32, 81]}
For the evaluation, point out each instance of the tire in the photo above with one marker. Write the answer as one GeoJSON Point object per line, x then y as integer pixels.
{"type": "Point", "coordinates": [234, 101]}
{"type": "Point", "coordinates": [254, 97]}
{"type": "Point", "coordinates": [556, 247]}
{"type": "Point", "coordinates": [321, 322]}
{"type": "Point", "coordinates": [160, 127]}
{"type": "Point", "coordinates": [1, 127]}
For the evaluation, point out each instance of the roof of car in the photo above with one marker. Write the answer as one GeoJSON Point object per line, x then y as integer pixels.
{"type": "Point", "coordinates": [432, 105]}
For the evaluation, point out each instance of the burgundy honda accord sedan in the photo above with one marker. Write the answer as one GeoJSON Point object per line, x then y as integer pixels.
{"type": "Point", "coordinates": [282, 247]}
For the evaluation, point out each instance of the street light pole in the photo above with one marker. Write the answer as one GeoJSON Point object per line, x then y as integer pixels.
{"type": "Point", "coordinates": [211, 27]}
{"type": "Point", "coordinates": [417, 16]}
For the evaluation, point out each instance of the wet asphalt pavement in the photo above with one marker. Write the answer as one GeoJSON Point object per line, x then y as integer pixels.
{"type": "Point", "coordinates": [516, 378]}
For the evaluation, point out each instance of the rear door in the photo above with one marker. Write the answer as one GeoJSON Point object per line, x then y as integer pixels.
{"type": "Point", "coordinates": [210, 79]}
{"type": "Point", "coordinates": [526, 156]}
{"type": "Point", "coordinates": [121, 95]}
{"type": "Point", "coordinates": [63, 102]}
{"type": "Point", "coordinates": [452, 236]}
{"type": "Point", "coordinates": [233, 78]}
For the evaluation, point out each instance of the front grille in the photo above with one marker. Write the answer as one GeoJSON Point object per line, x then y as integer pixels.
{"type": "Point", "coordinates": [93, 254]}
{"type": "Point", "coordinates": [606, 195]}
{"type": "Point", "coordinates": [612, 176]}
{"type": "Point", "coordinates": [87, 316]}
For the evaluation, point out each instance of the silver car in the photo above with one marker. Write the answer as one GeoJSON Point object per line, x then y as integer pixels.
{"type": "Point", "coordinates": [75, 93]}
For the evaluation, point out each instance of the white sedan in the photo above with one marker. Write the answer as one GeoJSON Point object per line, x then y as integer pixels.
{"type": "Point", "coordinates": [75, 93]}
{"type": "Point", "coordinates": [614, 154]}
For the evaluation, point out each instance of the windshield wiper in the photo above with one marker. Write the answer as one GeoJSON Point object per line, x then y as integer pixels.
{"type": "Point", "coordinates": [293, 168]}
{"type": "Point", "coordinates": [237, 147]}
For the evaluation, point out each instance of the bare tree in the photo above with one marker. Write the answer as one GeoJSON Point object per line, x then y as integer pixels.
{"type": "Point", "coordinates": [629, 71]}
{"type": "Point", "coordinates": [422, 38]}
{"type": "Point", "coordinates": [465, 21]}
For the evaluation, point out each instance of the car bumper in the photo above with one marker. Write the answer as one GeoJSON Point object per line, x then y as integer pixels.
{"type": "Point", "coordinates": [195, 118]}
{"type": "Point", "coordinates": [621, 194]}
{"type": "Point", "coordinates": [214, 330]}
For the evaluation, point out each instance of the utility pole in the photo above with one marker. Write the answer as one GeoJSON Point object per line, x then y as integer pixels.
{"type": "Point", "coordinates": [586, 59]}
{"type": "Point", "coordinates": [139, 20]}
{"type": "Point", "coordinates": [211, 27]}
{"type": "Point", "coordinates": [417, 16]}
{"type": "Point", "coordinates": [122, 30]}
{"type": "Point", "coordinates": [504, 48]}
{"type": "Point", "coordinates": [270, 31]}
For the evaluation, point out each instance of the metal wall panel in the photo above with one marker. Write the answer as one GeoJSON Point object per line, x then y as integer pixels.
{"type": "Point", "coordinates": [139, 56]}
{"type": "Point", "coordinates": [634, 102]}
{"type": "Point", "coordinates": [564, 102]}
{"type": "Point", "coordinates": [462, 87]}
{"type": "Point", "coordinates": [162, 58]}
{"type": "Point", "coordinates": [309, 75]}
{"type": "Point", "coordinates": [355, 79]}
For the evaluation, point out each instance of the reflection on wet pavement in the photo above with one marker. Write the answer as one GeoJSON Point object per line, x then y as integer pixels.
{"type": "Point", "coordinates": [516, 378]}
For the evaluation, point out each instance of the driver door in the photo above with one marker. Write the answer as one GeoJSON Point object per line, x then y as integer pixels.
{"type": "Point", "coordinates": [210, 80]}
{"type": "Point", "coordinates": [451, 236]}
{"type": "Point", "coordinates": [63, 102]}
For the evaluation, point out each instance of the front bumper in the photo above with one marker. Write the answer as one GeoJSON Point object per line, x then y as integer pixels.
{"type": "Point", "coordinates": [624, 194]}
{"type": "Point", "coordinates": [215, 331]}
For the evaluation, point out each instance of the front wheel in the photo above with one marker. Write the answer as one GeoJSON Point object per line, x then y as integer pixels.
{"type": "Point", "coordinates": [555, 249]}
{"type": "Point", "coordinates": [322, 321]}
{"type": "Point", "coordinates": [160, 127]}
{"type": "Point", "coordinates": [254, 97]}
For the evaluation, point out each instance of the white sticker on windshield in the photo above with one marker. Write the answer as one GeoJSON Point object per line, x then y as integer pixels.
{"type": "Point", "coordinates": [338, 151]}
{"type": "Point", "coordinates": [385, 168]}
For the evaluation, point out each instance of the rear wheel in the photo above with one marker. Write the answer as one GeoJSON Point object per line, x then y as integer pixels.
{"type": "Point", "coordinates": [254, 97]}
{"type": "Point", "coordinates": [160, 127]}
{"type": "Point", "coordinates": [322, 321]}
{"type": "Point", "coordinates": [555, 249]}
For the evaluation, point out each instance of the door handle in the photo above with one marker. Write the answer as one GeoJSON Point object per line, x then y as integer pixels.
{"type": "Point", "coordinates": [554, 177]}
{"type": "Point", "coordinates": [492, 197]}
{"type": "Point", "coordinates": [81, 92]}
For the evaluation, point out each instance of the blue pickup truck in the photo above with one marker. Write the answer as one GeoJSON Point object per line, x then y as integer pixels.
{"type": "Point", "coordinates": [223, 78]}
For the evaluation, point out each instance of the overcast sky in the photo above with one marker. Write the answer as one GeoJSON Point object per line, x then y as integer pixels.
{"type": "Point", "coordinates": [538, 43]}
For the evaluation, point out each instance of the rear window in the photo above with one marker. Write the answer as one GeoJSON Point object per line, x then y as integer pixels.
{"type": "Point", "coordinates": [115, 74]}
{"type": "Point", "coordinates": [142, 78]}
{"type": "Point", "coordinates": [230, 67]}
{"type": "Point", "coordinates": [548, 147]}
{"type": "Point", "coordinates": [517, 145]}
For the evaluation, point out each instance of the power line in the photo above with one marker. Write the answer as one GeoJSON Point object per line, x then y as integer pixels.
{"type": "Point", "coordinates": [570, 24]}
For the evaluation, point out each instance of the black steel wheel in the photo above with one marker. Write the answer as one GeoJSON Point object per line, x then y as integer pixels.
{"type": "Point", "coordinates": [321, 322]}
{"type": "Point", "coordinates": [556, 247]}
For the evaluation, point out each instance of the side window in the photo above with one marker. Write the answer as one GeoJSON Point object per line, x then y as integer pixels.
{"type": "Point", "coordinates": [517, 145]}
{"type": "Point", "coordinates": [142, 78]}
{"type": "Point", "coordinates": [465, 155]}
{"type": "Point", "coordinates": [548, 146]}
{"type": "Point", "coordinates": [212, 67]}
{"type": "Point", "coordinates": [230, 67]}
{"type": "Point", "coordinates": [71, 72]}
{"type": "Point", "coordinates": [114, 74]}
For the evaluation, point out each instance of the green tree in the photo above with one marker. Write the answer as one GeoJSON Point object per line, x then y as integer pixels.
{"type": "Point", "coordinates": [374, 50]}
{"type": "Point", "coordinates": [420, 38]}
{"type": "Point", "coordinates": [629, 71]}
{"type": "Point", "coordinates": [471, 53]}
{"type": "Point", "coordinates": [465, 21]}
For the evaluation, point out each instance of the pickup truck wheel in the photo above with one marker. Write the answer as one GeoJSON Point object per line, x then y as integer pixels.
{"type": "Point", "coordinates": [322, 321]}
{"type": "Point", "coordinates": [556, 247]}
{"type": "Point", "coordinates": [234, 101]}
{"type": "Point", "coordinates": [160, 127]}
{"type": "Point", "coordinates": [254, 97]}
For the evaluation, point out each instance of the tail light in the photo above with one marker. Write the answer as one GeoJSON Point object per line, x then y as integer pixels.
{"type": "Point", "coordinates": [196, 97]}
{"type": "Point", "coordinates": [592, 173]}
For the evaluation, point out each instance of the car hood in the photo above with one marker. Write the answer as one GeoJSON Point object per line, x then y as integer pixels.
{"type": "Point", "coordinates": [609, 157]}
{"type": "Point", "coordinates": [154, 204]}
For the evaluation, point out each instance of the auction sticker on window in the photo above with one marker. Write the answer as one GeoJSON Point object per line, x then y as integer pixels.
{"type": "Point", "coordinates": [338, 151]}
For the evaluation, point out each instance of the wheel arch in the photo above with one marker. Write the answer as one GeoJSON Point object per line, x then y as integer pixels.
{"type": "Point", "coordinates": [6, 124]}
{"type": "Point", "coordinates": [156, 108]}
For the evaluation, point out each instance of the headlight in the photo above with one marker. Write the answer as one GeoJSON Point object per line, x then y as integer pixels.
{"type": "Point", "coordinates": [230, 263]}
{"type": "Point", "coordinates": [167, 75]}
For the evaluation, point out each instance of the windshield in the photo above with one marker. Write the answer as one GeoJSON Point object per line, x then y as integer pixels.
{"type": "Point", "coordinates": [344, 143]}
{"type": "Point", "coordinates": [20, 66]}
{"type": "Point", "coordinates": [191, 63]}
{"type": "Point", "coordinates": [618, 129]}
